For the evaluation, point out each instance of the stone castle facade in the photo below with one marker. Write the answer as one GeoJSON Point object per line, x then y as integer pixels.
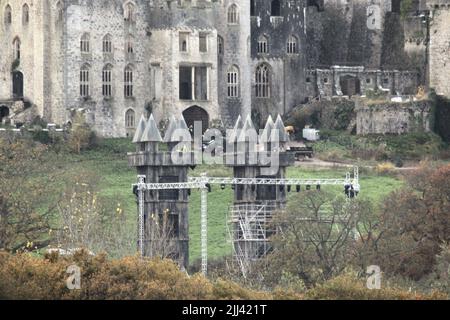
{"type": "Point", "coordinates": [204, 59]}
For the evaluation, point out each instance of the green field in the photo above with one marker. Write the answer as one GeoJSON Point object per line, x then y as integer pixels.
{"type": "Point", "coordinates": [109, 163]}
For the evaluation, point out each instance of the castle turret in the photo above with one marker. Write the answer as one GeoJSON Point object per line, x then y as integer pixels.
{"type": "Point", "coordinates": [166, 226]}
{"type": "Point", "coordinates": [254, 204]}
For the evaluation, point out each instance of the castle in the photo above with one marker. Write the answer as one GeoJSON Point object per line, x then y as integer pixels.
{"type": "Point", "coordinates": [204, 59]}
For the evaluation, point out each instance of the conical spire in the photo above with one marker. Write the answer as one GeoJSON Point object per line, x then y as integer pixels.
{"type": "Point", "coordinates": [182, 124]}
{"type": "Point", "coordinates": [151, 133]}
{"type": "Point", "coordinates": [279, 125]}
{"type": "Point", "coordinates": [140, 130]}
{"type": "Point", "coordinates": [173, 125]}
{"type": "Point", "coordinates": [236, 130]}
{"type": "Point", "coordinates": [267, 132]}
{"type": "Point", "coordinates": [247, 129]}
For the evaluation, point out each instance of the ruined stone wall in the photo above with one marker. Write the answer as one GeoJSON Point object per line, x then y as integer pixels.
{"type": "Point", "coordinates": [394, 118]}
{"type": "Point", "coordinates": [439, 68]}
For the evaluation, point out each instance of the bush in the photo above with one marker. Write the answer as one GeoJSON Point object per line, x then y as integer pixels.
{"type": "Point", "coordinates": [25, 277]}
{"type": "Point", "coordinates": [350, 287]}
{"type": "Point", "coordinates": [385, 168]}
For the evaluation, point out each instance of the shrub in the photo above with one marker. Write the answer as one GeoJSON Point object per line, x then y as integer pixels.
{"type": "Point", "coordinates": [385, 168]}
{"type": "Point", "coordinates": [25, 277]}
{"type": "Point", "coordinates": [350, 287]}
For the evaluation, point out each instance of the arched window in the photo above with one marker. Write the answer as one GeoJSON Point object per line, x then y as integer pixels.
{"type": "Point", "coordinates": [263, 81]}
{"type": "Point", "coordinates": [129, 45]}
{"type": "Point", "coordinates": [233, 14]}
{"type": "Point", "coordinates": [263, 44]}
{"type": "Point", "coordinates": [25, 14]}
{"type": "Point", "coordinates": [16, 46]}
{"type": "Point", "coordinates": [84, 81]}
{"type": "Point", "coordinates": [85, 43]}
{"type": "Point", "coordinates": [233, 82]}
{"type": "Point", "coordinates": [220, 45]}
{"type": "Point", "coordinates": [8, 15]}
{"type": "Point", "coordinates": [292, 45]}
{"type": "Point", "coordinates": [130, 119]}
{"type": "Point", "coordinates": [107, 44]}
{"type": "Point", "coordinates": [275, 8]}
{"type": "Point", "coordinates": [128, 82]}
{"type": "Point", "coordinates": [129, 12]}
{"type": "Point", "coordinates": [107, 81]}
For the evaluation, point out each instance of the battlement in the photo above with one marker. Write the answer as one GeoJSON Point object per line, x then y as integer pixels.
{"type": "Point", "coordinates": [435, 4]}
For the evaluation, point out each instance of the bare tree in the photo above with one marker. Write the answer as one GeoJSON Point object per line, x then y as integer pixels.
{"type": "Point", "coordinates": [314, 237]}
{"type": "Point", "coordinates": [163, 235]}
{"type": "Point", "coordinates": [87, 221]}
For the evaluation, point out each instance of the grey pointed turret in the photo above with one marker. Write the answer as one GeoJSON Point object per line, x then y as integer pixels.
{"type": "Point", "coordinates": [173, 125]}
{"type": "Point", "coordinates": [267, 132]}
{"type": "Point", "coordinates": [248, 130]}
{"type": "Point", "coordinates": [140, 130]}
{"type": "Point", "coordinates": [151, 133]}
{"type": "Point", "coordinates": [279, 125]}
{"type": "Point", "coordinates": [236, 130]}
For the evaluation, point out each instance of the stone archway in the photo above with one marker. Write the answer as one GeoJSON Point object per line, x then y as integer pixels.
{"type": "Point", "coordinates": [4, 113]}
{"type": "Point", "coordinates": [17, 80]}
{"type": "Point", "coordinates": [350, 85]}
{"type": "Point", "coordinates": [196, 113]}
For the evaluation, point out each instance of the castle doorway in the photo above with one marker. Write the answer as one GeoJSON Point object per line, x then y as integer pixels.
{"type": "Point", "coordinates": [196, 113]}
{"type": "Point", "coordinates": [17, 79]}
{"type": "Point", "coordinates": [4, 113]}
{"type": "Point", "coordinates": [350, 85]}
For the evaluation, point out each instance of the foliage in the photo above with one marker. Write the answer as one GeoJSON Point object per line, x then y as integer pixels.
{"type": "Point", "coordinates": [406, 6]}
{"type": "Point", "coordinates": [349, 287]}
{"type": "Point", "coordinates": [414, 224]}
{"type": "Point", "coordinates": [315, 237]}
{"type": "Point", "coordinates": [339, 145]}
{"type": "Point", "coordinates": [25, 277]}
{"type": "Point", "coordinates": [332, 115]}
{"type": "Point", "coordinates": [384, 168]}
{"type": "Point", "coordinates": [86, 220]}
{"type": "Point", "coordinates": [27, 205]}
{"type": "Point", "coordinates": [81, 136]}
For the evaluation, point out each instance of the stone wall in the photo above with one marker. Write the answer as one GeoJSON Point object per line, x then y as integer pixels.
{"type": "Point", "coordinates": [440, 47]}
{"type": "Point", "coordinates": [394, 118]}
{"type": "Point", "coordinates": [288, 88]}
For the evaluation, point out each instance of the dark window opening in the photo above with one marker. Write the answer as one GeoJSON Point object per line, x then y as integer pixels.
{"type": "Point", "coordinates": [252, 8]}
{"type": "Point", "coordinates": [195, 113]}
{"type": "Point", "coordinates": [203, 42]}
{"type": "Point", "coordinates": [396, 6]}
{"type": "Point", "coordinates": [172, 194]}
{"type": "Point", "coordinates": [266, 192]}
{"type": "Point", "coordinates": [201, 92]}
{"type": "Point", "coordinates": [194, 83]}
{"type": "Point", "coordinates": [17, 85]}
{"type": "Point", "coordinates": [350, 86]}
{"type": "Point", "coordinates": [185, 83]}
{"type": "Point", "coordinates": [4, 113]}
{"type": "Point", "coordinates": [275, 8]}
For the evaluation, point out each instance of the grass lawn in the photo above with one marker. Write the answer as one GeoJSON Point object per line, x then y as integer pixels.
{"type": "Point", "coordinates": [109, 163]}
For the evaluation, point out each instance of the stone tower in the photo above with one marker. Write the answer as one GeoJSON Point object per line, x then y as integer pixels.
{"type": "Point", "coordinates": [254, 204]}
{"type": "Point", "coordinates": [439, 46]}
{"type": "Point", "coordinates": [278, 49]}
{"type": "Point", "coordinates": [166, 216]}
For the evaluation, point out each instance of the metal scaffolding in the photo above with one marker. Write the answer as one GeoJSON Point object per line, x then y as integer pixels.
{"type": "Point", "coordinates": [248, 222]}
{"type": "Point", "coordinates": [249, 230]}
